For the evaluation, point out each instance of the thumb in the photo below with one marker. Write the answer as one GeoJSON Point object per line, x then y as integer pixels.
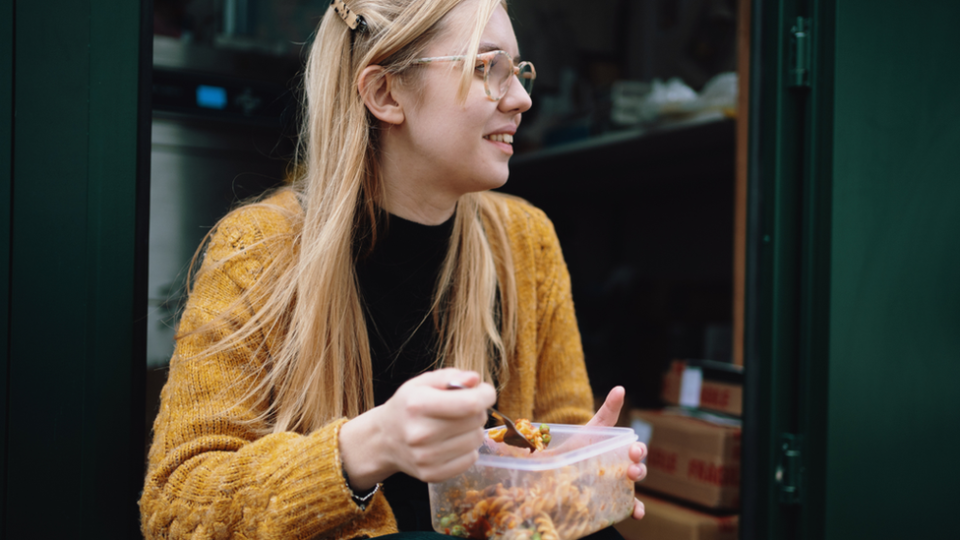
{"type": "Point", "coordinates": [609, 412]}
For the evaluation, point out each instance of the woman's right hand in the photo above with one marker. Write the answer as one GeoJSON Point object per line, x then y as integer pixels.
{"type": "Point", "coordinates": [425, 430]}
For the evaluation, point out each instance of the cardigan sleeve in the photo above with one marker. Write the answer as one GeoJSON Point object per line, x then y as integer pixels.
{"type": "Point", "coordinates": [211, 472]}
{"type": "Point", "coordinates": [563, 386]}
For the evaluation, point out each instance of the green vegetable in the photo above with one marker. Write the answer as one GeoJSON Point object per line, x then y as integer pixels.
{"type": "Point", "coordinates": [547, 438]}
{"type": "Point", "coordinates": [459, 530]}
{"type": "Point", "coordinates": [445, 521]}
{"type": "Point", "coordinates": [544, 428]}
{"type": "Point", "coordinates": [536, 536]}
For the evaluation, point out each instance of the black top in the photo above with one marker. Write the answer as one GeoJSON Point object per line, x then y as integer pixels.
{"type": "Point", "coordinates": [397, 281]}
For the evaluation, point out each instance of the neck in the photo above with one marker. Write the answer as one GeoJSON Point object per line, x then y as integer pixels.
{"type": "Point", "coordinates": [415, 203]}
{"type": "Point", "coordinates": [411, 188]}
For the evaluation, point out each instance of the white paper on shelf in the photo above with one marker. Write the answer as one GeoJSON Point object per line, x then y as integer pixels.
{"type": "Point", "coordinates": [690, 385]}
{"type": "Point", "coordinates": [644, 431]}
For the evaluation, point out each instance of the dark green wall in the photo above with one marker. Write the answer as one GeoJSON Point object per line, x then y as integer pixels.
{"type": "Point", "coordinates": [894, 403]}
{"type": "Point", "coordinates": [6, 145]}
{"type": "Point", "coordinates": [72, 409]}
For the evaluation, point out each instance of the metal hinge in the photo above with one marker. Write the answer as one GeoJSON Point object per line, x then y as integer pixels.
{"type": "Point", "coordinates": [789, 472]}
{"type": "Point", "coordinates": [800, 56]}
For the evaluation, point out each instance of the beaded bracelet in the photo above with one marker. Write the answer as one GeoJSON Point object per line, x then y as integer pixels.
{"type": "Point", "coordinates": [361, 500]}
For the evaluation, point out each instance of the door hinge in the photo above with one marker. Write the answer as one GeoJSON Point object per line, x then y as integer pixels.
{"type": "Point", "coordinates": [789, 472]}
{"type": "Point", "coordinates": [800, 55]}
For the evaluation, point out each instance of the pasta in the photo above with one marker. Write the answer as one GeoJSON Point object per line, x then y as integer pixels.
{"type": "Point", "coordinates": [557, 507]}
{"type": "Point", "coordinates": [538, 437]}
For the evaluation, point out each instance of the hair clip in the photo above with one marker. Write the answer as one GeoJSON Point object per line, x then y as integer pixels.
{"type": "Point", "coordinates": [353, 20]}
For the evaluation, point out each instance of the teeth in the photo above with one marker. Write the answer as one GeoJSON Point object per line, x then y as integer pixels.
{"type": "Point", "coordinates": [501, 137]}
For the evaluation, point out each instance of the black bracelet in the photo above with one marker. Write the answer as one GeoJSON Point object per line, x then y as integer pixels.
{"type": "Point", "coordinates": [363, 499]}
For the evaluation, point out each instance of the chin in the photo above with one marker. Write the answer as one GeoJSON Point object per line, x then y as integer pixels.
{"type": "Point", "coordinates": [491, 180]}
{"type": "Point", "coordinates": [492, 183]}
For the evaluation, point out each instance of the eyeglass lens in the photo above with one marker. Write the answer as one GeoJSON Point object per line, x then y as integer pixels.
{"type": "Point", "coordinates": [501, 71]}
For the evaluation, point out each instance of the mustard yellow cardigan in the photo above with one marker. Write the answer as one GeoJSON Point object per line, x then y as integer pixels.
{"type": "Point", "coordinates": [211, 476]}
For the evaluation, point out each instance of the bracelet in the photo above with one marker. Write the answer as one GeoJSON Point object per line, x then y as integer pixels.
{"type": "Point", "coordinates": [360, 500]}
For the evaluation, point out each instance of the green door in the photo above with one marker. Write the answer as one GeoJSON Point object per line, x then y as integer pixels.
{"type": "Point", "coordinates": [893, 425]}
{"type": "Point", "coordinates": [854, 307]}
{"type": "Point", "coordinates": [72, 227]}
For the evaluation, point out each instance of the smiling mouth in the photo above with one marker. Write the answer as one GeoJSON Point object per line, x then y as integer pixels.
{"type": "Point", "coordinates": [500, 137]}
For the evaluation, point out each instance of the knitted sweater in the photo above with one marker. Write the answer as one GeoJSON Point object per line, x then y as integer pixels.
{"type": "Point", "coordinates": [211, 475]}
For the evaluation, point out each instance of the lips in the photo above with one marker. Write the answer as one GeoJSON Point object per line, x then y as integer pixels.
{"type": "Point", "coordinates": [500, 137]}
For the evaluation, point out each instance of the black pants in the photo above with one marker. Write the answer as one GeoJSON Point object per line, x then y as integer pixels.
{"type": "Point", "coordinates": [603, 534]}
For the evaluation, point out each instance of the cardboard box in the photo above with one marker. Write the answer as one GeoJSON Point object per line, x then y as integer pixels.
{"type": "Point", "coordinates": [717, 387]}
{"type": "Point", "coordinates": [691, 459]}
{"type": "Point", "coordinates": [668, 521]}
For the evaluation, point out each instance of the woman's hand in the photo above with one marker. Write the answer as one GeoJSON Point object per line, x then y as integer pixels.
{"type": "Point", "coordinates": [607, 417]}
{"type": "Point", "coordinates": [424, 430]}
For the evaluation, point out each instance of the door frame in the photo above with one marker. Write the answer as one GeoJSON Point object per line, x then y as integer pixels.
{"type": "Point", "coordinates": [786, 342]}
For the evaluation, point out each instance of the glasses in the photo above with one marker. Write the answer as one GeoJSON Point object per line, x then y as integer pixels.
{"type": "Point", "coordinates": [498, 68]}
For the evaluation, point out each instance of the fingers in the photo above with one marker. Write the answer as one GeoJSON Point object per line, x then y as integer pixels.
{"type": "Point", "coordinates": [638, 451]}
{"type": "Point", "coordinates": [637, 471]}
{"type": "Point", "coordinates": [638, 509]}
{"type": "Point", "coordinates": [449, 469]}
{"type": "Point", "coordinates": [450, 456]}
{"type": "Point", "coordinates": [453, 404]}
{"type": "Point", "coordinates": [609, 412]}
{"type": "Point", "coordinates": [429, 395]}
{"type": "Point", "coordinates": [441, 378]}
{"type": "Point", "coordinates": [427, 431]}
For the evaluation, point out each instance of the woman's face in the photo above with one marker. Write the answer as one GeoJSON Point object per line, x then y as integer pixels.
{"type": "Point", "coordinates": [451, 142]}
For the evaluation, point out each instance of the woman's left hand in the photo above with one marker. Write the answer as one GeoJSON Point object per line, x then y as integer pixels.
{"type": "Point", "coordinates": [607, 416]}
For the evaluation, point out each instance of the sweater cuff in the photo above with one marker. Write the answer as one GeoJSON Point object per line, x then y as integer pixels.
{"type": "Point", "coordinates": [317, 497]}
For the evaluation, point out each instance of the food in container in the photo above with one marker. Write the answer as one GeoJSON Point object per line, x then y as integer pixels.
{"type": "Point", "coordinates": [577, 486]}
{"type": "Point", "coordinates": [539, 437]}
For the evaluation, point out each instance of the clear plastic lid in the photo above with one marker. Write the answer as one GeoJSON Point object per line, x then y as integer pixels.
{"type": "Point", "coordinates": [569, 444]}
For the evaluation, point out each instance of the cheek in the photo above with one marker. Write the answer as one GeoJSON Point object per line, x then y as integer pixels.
{"type": "Point", "coordinates": [448, 130]}
{"type": "Point", "coordinates": [460, 129]}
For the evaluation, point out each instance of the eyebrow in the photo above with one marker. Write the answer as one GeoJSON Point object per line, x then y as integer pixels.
{"type": "Point", "coordinates": [487, 47]}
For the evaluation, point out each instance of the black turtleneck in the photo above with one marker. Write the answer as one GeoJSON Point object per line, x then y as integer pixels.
{"type": "Point", "coordinates": [397, 281]}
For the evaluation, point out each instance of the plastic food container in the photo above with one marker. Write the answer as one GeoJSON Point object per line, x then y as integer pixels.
{"type": "Point", "coordinates": [575, 487]}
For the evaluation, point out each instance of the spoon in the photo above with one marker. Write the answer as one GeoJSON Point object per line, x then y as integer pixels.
{"type": "Point", "coordinates": [512, 437]}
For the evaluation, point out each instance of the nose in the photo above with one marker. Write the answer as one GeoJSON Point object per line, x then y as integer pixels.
{"type": "Point", "coordinates": [516, 99]}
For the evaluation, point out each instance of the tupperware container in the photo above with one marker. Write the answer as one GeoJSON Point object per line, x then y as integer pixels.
{"type": "Point", "coordinates": [575, 487]}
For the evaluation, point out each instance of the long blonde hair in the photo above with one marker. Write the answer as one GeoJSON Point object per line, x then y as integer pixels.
{"type": "Point", "coordinates": [308, 313]}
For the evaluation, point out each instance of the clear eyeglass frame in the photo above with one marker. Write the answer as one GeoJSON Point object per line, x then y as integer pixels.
{"type": "Point", "coordinates": [494, 62]}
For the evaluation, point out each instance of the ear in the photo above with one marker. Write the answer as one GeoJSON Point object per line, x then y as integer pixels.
{"type": "Point", "coordinates": [378, 88]}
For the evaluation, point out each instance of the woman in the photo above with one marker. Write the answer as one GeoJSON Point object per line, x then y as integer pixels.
{"type": "Point", "coordinates": [305, 370]}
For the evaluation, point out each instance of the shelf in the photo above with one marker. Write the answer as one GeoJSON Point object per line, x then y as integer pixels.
{"type": "Point", "coordinates": [692, 126]}
{"type": "Point", "coordinates": [696, 151]}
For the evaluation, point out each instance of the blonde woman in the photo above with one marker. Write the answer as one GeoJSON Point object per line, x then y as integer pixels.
{"type": "Point", "coordinates": [327, 321]}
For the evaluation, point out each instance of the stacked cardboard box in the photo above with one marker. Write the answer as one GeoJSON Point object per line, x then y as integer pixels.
{"type": "Point", "coordinates": [689, 458]}
{"type": "Point", "coordinates": [667, 521]}
{"type": "Point", "coordinates": [704, 384]}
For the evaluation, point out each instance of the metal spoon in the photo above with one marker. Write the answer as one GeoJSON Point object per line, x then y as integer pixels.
{"type": "Point", "coordinates": [512, 437]}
